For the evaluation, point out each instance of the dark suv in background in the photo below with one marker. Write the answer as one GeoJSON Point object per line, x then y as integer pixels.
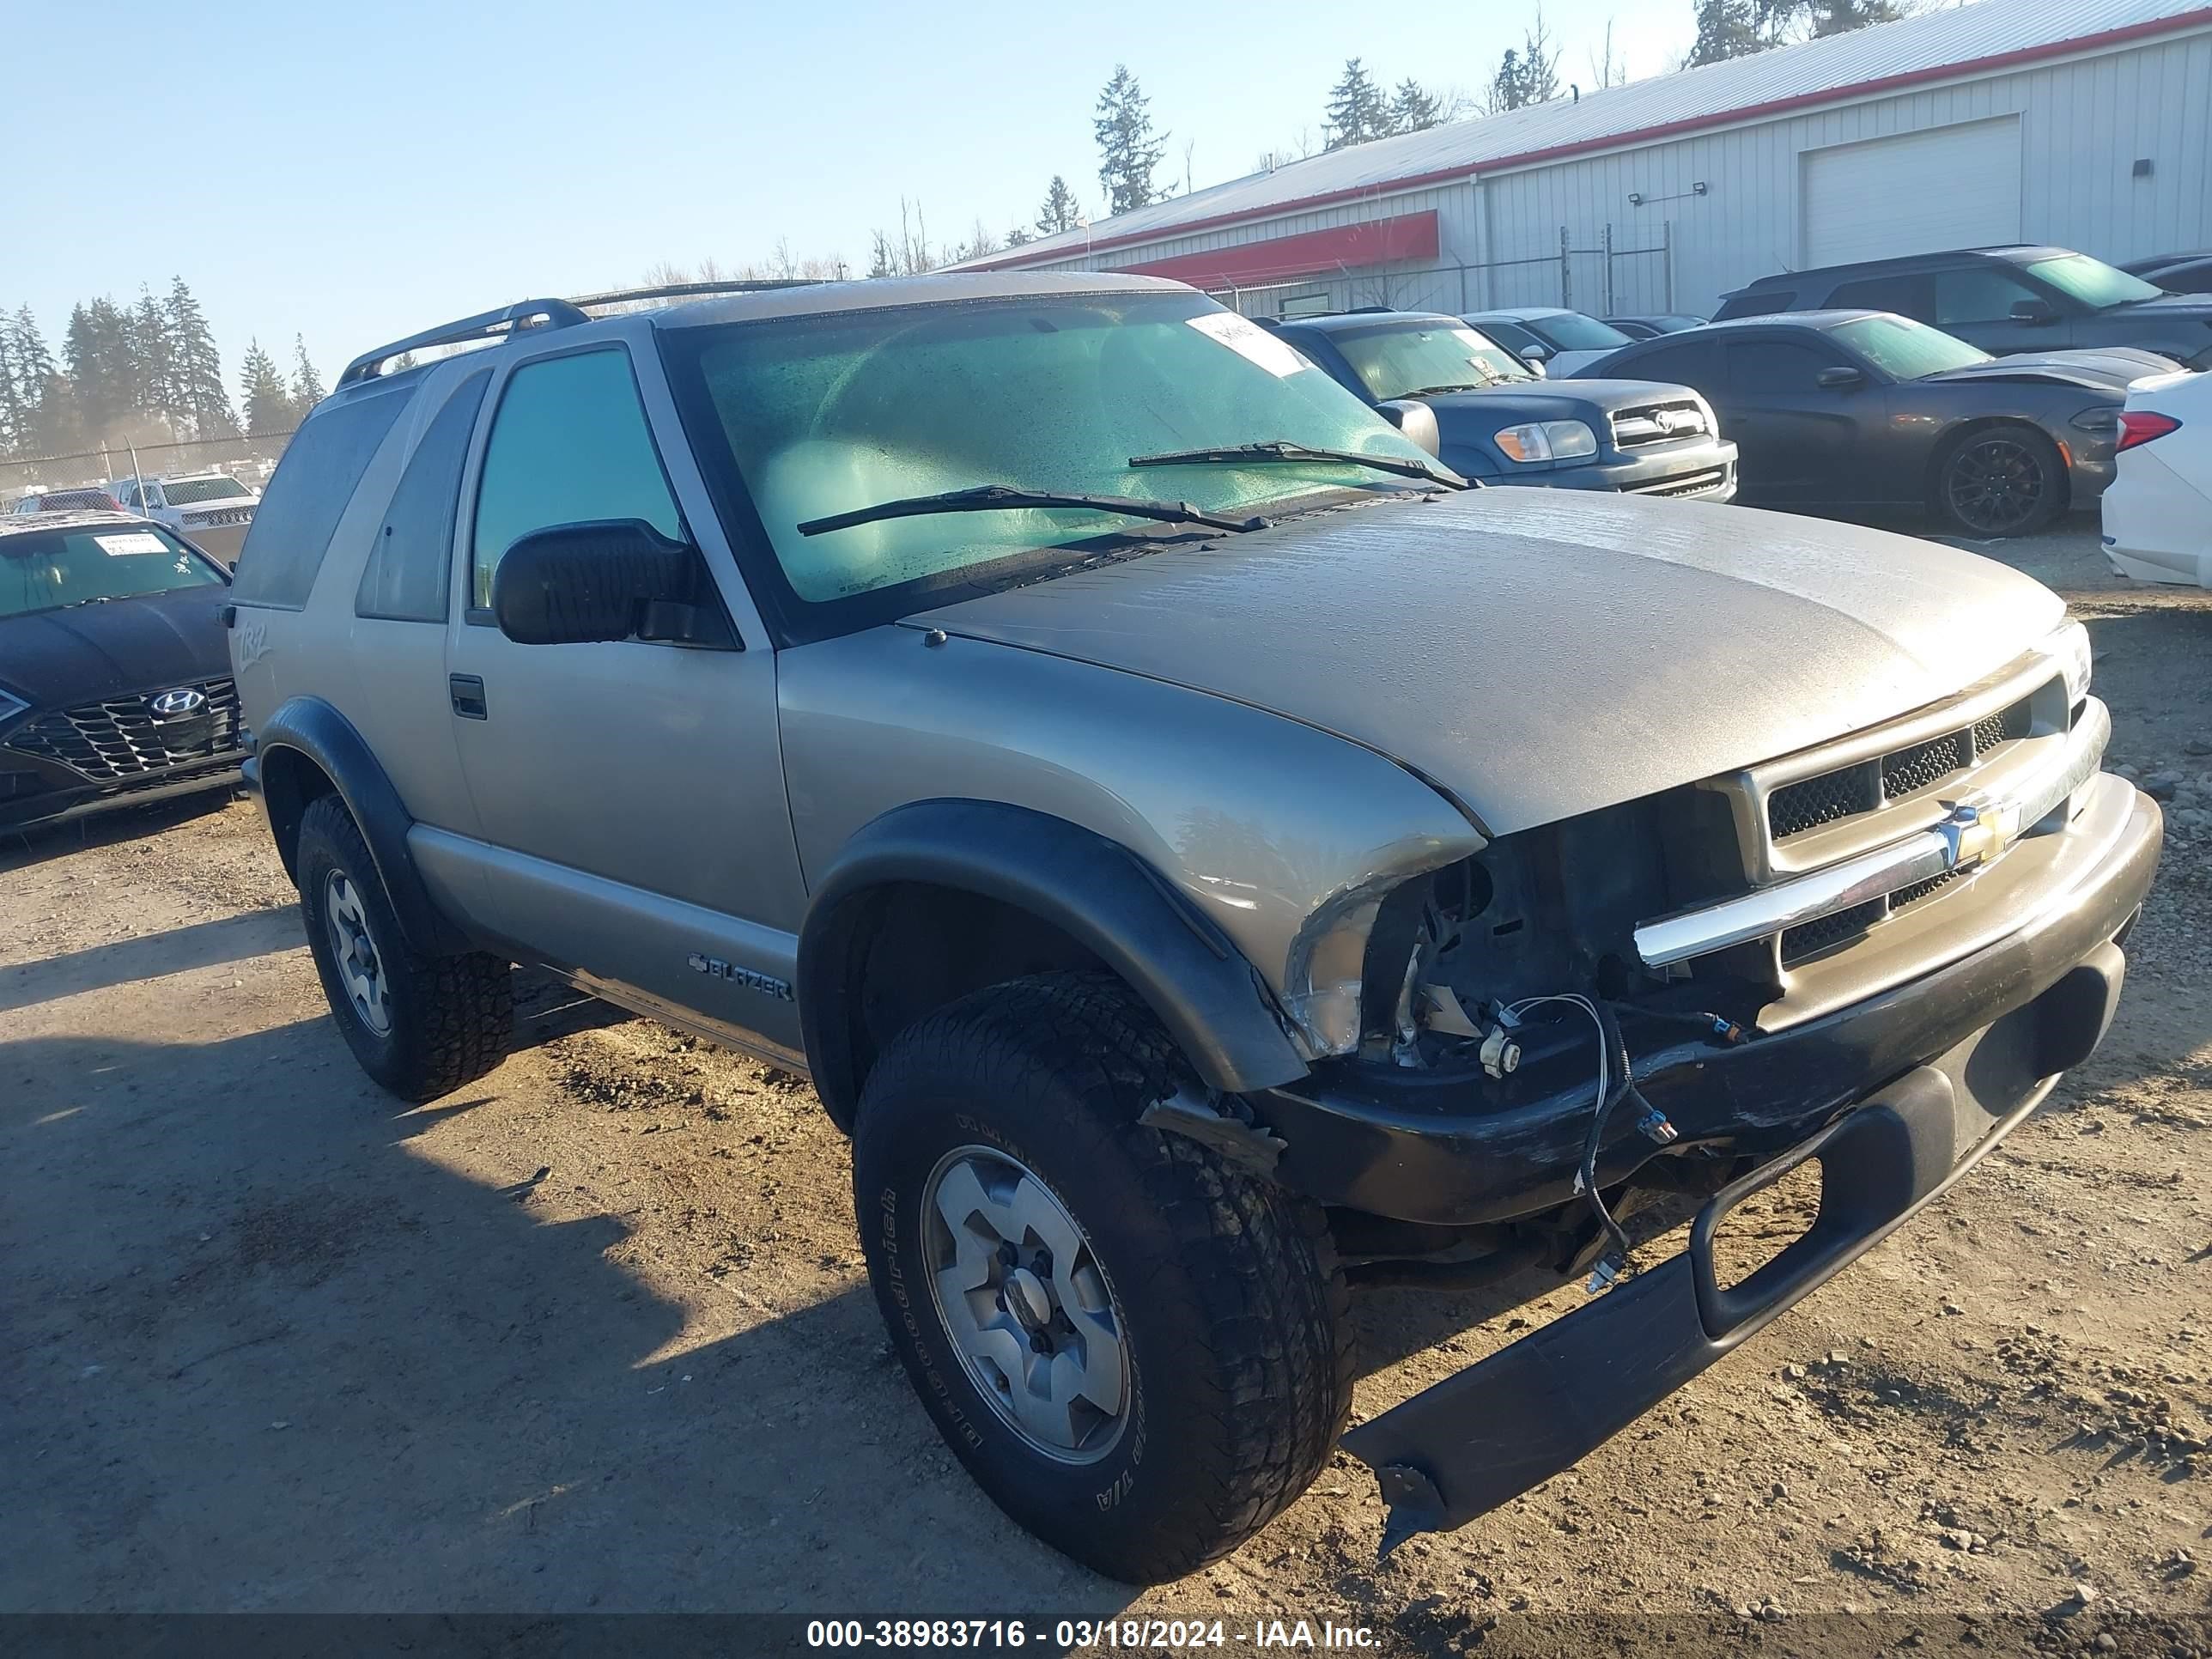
{"type": "Point", "coordinates": [2002, 299]}
{"type": "Point", "coordinates": [1497, 420]}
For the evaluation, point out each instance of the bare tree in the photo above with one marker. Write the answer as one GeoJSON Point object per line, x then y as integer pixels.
{"type": "Point", "coordinates": [1301, 143]}
{"type": "Point", "coordinates": [1605, 69]}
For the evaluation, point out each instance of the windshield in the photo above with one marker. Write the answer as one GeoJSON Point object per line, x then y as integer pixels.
{"type": "Point", "coordinates": [2093, 281]}
{"type": "Point", "coordinates": [1572, 332]}
{"type": "Point", "coordinates": [1905, 349]}
{"type": "Point", "coordinates": [185, 492]}
{"type": "Point", "coordinates": [825, 414]}
{"type": "Point", "coordinates": [1405, 358]}
{"type": "Point", "coordinates": [45, 569]}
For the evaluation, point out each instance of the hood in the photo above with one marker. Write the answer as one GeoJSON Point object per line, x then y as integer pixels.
{"type": "Point", "coordinates": [2112, 369]}
{"type": "Point", "coordinates": [1556, 400]}
{"type": "Point", "coordinates": [59, 658]}
{"type": "Point", "coordinates": [1540, 653]}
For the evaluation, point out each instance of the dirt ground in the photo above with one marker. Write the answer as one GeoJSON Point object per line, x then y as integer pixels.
{"type": "Point", "coordinates": [595, 1334]}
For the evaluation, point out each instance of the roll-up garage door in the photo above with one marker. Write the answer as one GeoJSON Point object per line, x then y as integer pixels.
{"type": "Point", "coordinates": [1916, 192]}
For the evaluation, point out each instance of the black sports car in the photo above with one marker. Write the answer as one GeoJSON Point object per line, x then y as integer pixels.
{"type": "Point", "coordinates": [115, 682]}
{"type": "Point", "coordinates": [1865, 408]}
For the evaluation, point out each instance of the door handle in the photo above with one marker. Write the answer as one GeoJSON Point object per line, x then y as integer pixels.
{"type": "Point", "coordinates": [468, 693]}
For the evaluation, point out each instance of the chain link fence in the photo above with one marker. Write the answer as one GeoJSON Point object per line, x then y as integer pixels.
{"type": "Point", "coordinates": [1602, 280]}
{"type": "Point", "coordinates": [251, 460]}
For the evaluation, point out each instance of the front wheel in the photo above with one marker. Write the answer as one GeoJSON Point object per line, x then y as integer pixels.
{"type": "Point", "coordinates": [2002, 481]}
{"type": "Point", "coordinates": [1139, 1353]}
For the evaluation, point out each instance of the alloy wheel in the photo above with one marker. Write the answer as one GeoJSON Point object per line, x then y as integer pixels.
{"type": "Point", "coordinates": [1022, 1293]}
{"type": "Point", "coordinates": [361, 969]}
{"type": "Point", "coordinates": [1996, 485]}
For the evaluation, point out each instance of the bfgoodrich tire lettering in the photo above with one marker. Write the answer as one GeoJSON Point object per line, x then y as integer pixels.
{"type": "Point", "coordinates": [1226, 1292]}
{"type": "Point", "coordinates": [445, 1020]}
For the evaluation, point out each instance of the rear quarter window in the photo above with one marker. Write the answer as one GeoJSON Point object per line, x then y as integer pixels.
{"type": "Point", "coordinates": [321, 468]}
{"type": "Point", "coordinates": [407, 576]}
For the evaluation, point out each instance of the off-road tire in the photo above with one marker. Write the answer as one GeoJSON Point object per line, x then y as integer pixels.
{"type": "Point", "coordinates": [451, 1016]}
{"type": "Point", "coordinates": [1232, 1306]}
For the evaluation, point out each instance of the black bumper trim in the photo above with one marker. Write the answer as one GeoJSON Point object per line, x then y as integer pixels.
{"type": "Point", "coordinates": [1513, 1420]}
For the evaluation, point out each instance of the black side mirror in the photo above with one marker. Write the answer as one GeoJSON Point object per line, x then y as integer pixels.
{"type": "Point", "coordinates": [2035, 313]}
{"type": "Point", "coordinates": [604, 579]}
{"type": "Point", "coordinates": [1416, 420]}
{"type": "Point", "coordinates": [1841, 378]}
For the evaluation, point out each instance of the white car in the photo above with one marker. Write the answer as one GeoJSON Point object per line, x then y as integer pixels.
{"type": "Point", "coordinates": [2158, 509]}
{"type": "Point", "coordinates": [1565, 342]}
{"type": "Point", "coordinates": [211, 509]}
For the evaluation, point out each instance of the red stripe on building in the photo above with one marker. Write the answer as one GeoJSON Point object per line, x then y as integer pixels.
{"type": "Point", "coordinates": [2024, 55]}
{"type": "Point", "coordinates": [1373, 242]}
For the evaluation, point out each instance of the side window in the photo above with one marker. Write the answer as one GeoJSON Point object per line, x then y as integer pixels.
{"type": "Point", "coordinates": [313, 484]}
{"type": "Point", "coordinates": [569, 443]}
{"type": "Point", "coordinates": [1513, 337]}
{"type": "Point", "coordinates": [405, 578]}
{"type": "Point", "coordinates": [1981, 293]}
{"type": "Point", "coordinates": [1912, 296]}
{"type": "Point", "coordinates": [128, 495]}
{"type": "Point", "coordinates": [1698, 366]}
{"type": "Point", "coordinates": [1775, 366]}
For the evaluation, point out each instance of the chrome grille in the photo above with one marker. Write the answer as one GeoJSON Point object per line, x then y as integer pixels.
{"type": "Point", "coordinates": [1910, 770]}
{"type": "Point", "coordinates": [1831, 797]}
{"type": "Point", "coordinates": [122, 737]}
{"type": "Point", "coordinates": [1685, 484]}
{"type": "Point", "coordinates": [1656, 423]}
{"type": "Point", "coordinates": [218, 518]}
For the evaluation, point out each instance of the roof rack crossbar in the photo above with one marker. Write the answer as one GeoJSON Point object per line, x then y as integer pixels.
{"type": "Point", "coordinates": [557, 313]}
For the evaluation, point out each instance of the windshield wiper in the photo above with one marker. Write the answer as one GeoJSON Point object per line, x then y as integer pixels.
{"type": "Point", "coordinates": [991, 498]}
{"type": "Point", "coordinates": [1440, 390]}
{"type": "Point", "coordinates": [1279, 450]}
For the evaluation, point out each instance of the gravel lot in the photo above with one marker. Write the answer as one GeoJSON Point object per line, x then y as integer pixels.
{"type": "Point", "coordinates": [595, 1335]}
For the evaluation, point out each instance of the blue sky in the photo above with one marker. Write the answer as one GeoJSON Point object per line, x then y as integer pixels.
{"type": "Point", "coordinates": [351, 173]}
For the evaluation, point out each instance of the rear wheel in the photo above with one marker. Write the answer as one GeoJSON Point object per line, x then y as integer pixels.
{"type": "Point", "coordinates": [2000, 481]}
{"type": "Point", "coordinates": [422, 1026]}
{"type": "Point", "coordinates": [1139, 1352]}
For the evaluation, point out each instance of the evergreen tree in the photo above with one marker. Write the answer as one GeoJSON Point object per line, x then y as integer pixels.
{"type": "Point", "coordinates": [1726, 29]}
{"type": "Point", "coordinates": [1530, 74]}
{"type": "Point", "coordinates": [1413, 109]}
{"type": "Point", "coordinates": [1841, 16]}
{"type": "Point", "coordinates": [263, 395]}
{"type": "Point", "coordinates": [155, 390]}
{"type": "Point", "coordinates": [1019, 234]}
{"type": "Point", "coordinates": [1357, 110]}
{"type": "Point", "coordinates": [196, 368]}
{"type": "Point", "coordinates": [101, 367]}
{"type": "Point", "coordinates": [1060, 211]}
{"type": "Point", "coordinates": [1129, 148]}
{"type": "Point", "coordinates": [29, 368]}
{"type": "Point", "coordinates": [306, 384]}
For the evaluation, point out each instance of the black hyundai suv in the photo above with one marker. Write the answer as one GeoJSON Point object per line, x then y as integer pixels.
{"type": "Point", "coordinates": [2002, 299]}
{"type": "Point", "coordinates": [115, 685]}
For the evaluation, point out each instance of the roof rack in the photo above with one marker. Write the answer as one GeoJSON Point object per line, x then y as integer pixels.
{"type": "Point", "coordinates": [690, 290]}
{"type": "Point", "coordinates": [557, 313]}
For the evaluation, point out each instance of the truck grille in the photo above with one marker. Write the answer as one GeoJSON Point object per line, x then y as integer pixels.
{"type": "Point", "coordinates": [1831, 797]}
{"type": "Point", "coordinates": [1657, 424]}
{"type": "Point", "coordinates": [1812, 938]}
{"type": "Point", "coordinates": [218, 518]}
{"type": "Point", "coordinates": [122, 737]}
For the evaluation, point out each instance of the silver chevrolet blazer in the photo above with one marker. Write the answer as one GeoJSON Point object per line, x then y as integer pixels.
{"type": "Point", "coordinates": [1206, 856]}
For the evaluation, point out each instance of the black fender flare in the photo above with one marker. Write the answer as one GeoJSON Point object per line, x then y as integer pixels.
{"type": "Point", "coordinates": [317, 731]}
{"type": "Point", "coordinates": [1216, 1009]}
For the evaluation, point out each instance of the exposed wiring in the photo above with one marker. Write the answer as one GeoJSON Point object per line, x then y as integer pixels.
{"type": "Point", "coordinates": [1586, 1172]}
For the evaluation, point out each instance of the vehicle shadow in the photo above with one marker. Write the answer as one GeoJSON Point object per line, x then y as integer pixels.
{"type": "Point", "coordinates": [20, 849]}
{"type": "Point", "coordinates": [232, 938]}
{"type": "Point", "coordinates": [299, 1365]}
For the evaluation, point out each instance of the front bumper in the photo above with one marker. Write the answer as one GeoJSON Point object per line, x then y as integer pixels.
{"type": "Point", "coordinates": [2157, 525]}
{"type": "Point", "coordinates": [1702, 469]}
{"type": "Point", "coordinates": [1941, 1069]}
{"type": "Point", "coordinates": [63, 796]}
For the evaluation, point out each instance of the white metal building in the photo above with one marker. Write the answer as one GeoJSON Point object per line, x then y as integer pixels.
{"type": "Point", "coordinates": [2085, 123]}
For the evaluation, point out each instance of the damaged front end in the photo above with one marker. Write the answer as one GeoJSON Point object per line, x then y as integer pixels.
{"type": "Point", "coordinates": [1876, 955]}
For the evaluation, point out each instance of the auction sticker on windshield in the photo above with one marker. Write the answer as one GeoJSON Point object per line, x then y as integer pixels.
{"type": "Point", "coordinates": [1251, 341]}
{"type": "Point", "coordinates": [131, 541]}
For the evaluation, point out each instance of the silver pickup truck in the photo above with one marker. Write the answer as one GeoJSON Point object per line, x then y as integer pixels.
{"type": "Point", "coordinates": [1205, 856]}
